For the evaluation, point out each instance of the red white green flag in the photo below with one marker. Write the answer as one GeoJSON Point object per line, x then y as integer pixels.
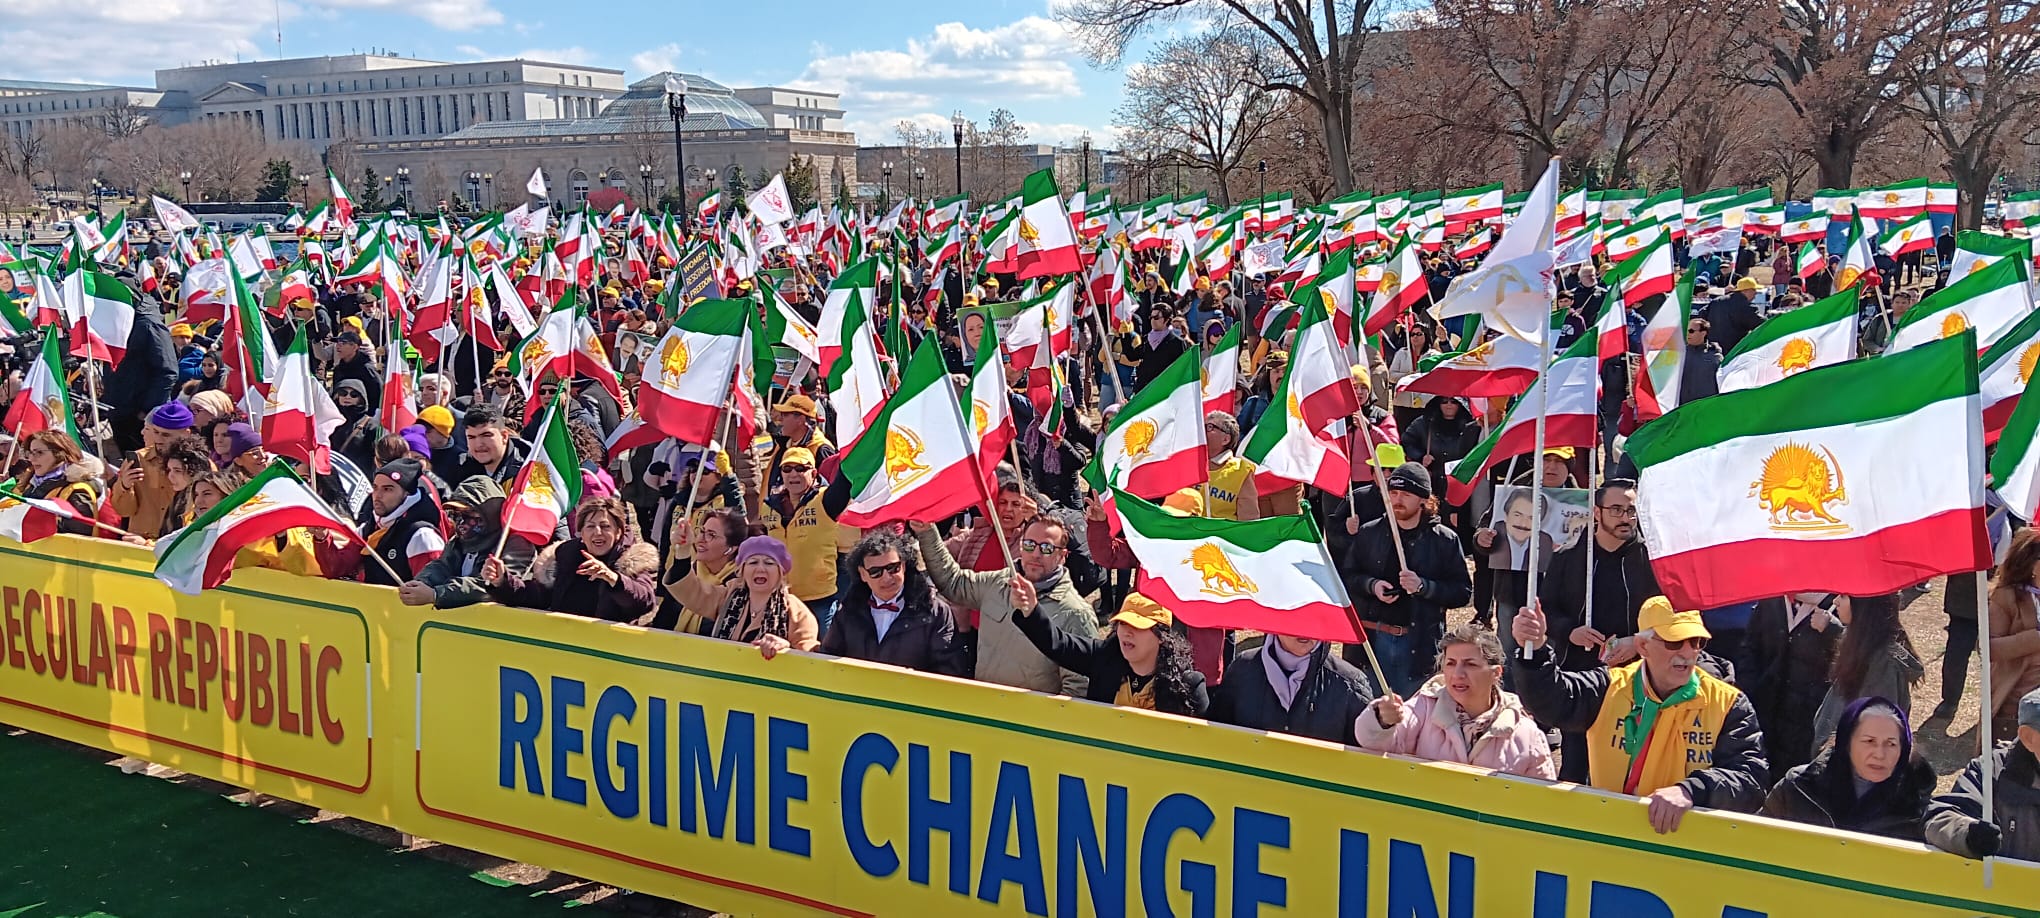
{"type": "Point", "coordinates": [917, 460]}
{"type": "Point", "coordinates": [199, 557]}
{"type": "Point", "coordinates": [45, 400]}
{"type": "Point", "coordinates": [1864, 478]}
{"type": "Point", "coordinates": [2007, 367]}
{"type": "Point", "coordinates": [1990, 300]}
{"type": "Point", "coordinates": [299, 417]}
{"type": "Point", "coordinates": [1047, 241]}
{"type": "Point", "coordinates": [549, 485]}
{"type": "Point", "coordinates": [1570, 419]}
{"type": "Point", "coordinates": [688, 376]}
{"type": "Point", "coordinates": [1222, 373]}
{"type": "Point", "coordinates": [1273, 575]}
{"type": "Point", "coordinates": [1155, 445]}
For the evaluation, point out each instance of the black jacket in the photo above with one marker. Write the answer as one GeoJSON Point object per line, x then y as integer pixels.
{"type": "Point", "coordinates": [922, 638]}
{"type": "Point", "coordinates": [1820, 793]}
{"type": "Point", "coordinates": [1444, 441]}
{"type": "Point", "coordinates": [364, 371]}
{"type": "Point", "coordinates": [514, 456]}
{"type": "Point", "coordinates": [1434, 554]}
{"type": "Point", "coordinates": [2017, 806]}
{"type": "Point", "coordinates": [1700, 375]}
{"type": "Point", "coordinates": [1731, 317]}
{"type": "Point", "coordinates": [1100, 659]}
{"type": "Point", "coordinates": [1572, 701]}
{"type": "Point", "coordinates": [1789, 680]}
{"type": "Point", "coordinates": [1623, 580]}
{"type": "Point", "coordinates": [1153, 360]}
{"type": "Point", "coordinates": [147, 373]}
{"type": "Point", "coordinates": [1333, 694]}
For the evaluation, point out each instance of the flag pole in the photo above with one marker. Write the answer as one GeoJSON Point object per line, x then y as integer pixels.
{"type": "Point", "coordinates": [1984, 712]}
{"type": "Point", "coordinates": [1374, 662]}
{"type": "Point", "coordinates": [77, 517]}
{"type": "Point", "coordinates": [1111, 371]}
{"type": "Point", "coordinates": [1537, 477]}
{"type": "Point", "coordinates": [1402, 560]}
{"type": "Point", "coordinates": [1593, 470]}
{"type": "Point", "coordinates": [978, 479]}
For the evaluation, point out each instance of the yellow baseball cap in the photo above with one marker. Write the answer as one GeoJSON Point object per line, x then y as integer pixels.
{"type": "Point", "coordinates": [181, 330]}
{"type": "Point", "coordinates": [1657, 615]}
{"type": "Point", "coordinates": [1141, 612]}
{"type": "Point", "coordinates": [1562, 452]}
{"type": "Point", "coordinates": [800, 405]}
{"type": "Point", "coordinates": [798, 455]}
{"type": "Point", "coordinates": [438, 418]}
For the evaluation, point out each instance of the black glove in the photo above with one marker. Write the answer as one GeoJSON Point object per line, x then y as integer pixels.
{"type": "Point", "coordinates": [1985, 838]}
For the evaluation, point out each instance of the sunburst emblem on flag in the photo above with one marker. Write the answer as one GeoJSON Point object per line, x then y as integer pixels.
{"type": "Point", "coordinates": [539, 487]}
{"type": "Point", "coordinates": [1390, 282]}
{"type": "Point", "coordinates": [535, 353]}
{"type": "Point", "coordinates": [2029, 360]}
{"type": "Point", "coordinates": [1848, 278]}
{"type": "Point", "coordinates": [1954, 324]}
{"type": "Point", "coordinates": [1891, 197]}
{"type": "Point", "coordinates": [255, 502]}
{"type": "Point", "coordinates": [54, 408]}
{"type": "Point", "coordinates": [980, 417]}
{"type": "Point", "coordinates": [1796, 486]}
{"type": "Point", "coordinates": [1220, 577]}
{"type": "Point", "coordinates": [673, 358]}
{"type": "Point", "coordinates": [1029, 233]}
{"type": "Point", "coordinates": [1797, 355]}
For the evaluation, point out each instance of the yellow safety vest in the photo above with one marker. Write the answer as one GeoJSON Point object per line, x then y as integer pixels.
{"type": "Point", "coordinates": [1222, 492]}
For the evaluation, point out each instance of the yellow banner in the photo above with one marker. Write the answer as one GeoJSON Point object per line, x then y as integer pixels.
{"type": "Point", "coordinates": [694, 769]}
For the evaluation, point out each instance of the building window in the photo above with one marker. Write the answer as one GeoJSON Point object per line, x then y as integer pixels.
{"type": "Point", "coordinates": [489, 106]}
{"type": "Point", "coordinates": [579, 181]}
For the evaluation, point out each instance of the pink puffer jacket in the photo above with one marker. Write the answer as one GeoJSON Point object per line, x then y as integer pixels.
{"type": "Point", "coordinates": [1513, 744]}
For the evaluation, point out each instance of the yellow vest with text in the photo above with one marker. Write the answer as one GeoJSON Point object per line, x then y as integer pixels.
{"type": "Point", "coordinates": [1222, 493]}
{"type": "Point", "coordinates": [810, 537]}
{"type": "Point", "coordinates": [1681, 742]}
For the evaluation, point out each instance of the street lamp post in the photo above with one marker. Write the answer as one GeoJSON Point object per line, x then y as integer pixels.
{"type": "Point", "coordinates": [1178, 157]}
{"type": "Point", "coordinates": [885, 169]}
{"type": "Point", "coordinates": [474, 180]}
{"type": "Point", "coordinates": [920, 180]}
{"type": "Point", "coordinates": [1085, 141]}
{"type": "Point", "coordinates": [489, 188]}
{"type": "Point", "coordinates": [389, 183]}
{"type": "Point", "coordinates": [1261, 203]}
{"type": "Point", "coordinates": [404, 185]}
{"type": "Point", "coordinates": [97, 212]}
{"type": "Point", "coordinates": [956, 128]}
{"type": "Point", "coordinates": [304, 184]}
{"type": "Point", "coordinates": [645, 171]}
{"type": "Point", "coordinates": [676, 106]}
{"type": "Point", "coordinates": [185, 177]}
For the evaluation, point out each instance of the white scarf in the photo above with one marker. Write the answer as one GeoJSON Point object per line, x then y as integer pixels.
{"type": "Point", "coordinates": [1285, 671]}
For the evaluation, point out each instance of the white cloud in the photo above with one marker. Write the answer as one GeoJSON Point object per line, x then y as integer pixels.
{"type": "Point", "coordinates": [655, 60]}
{"type": "Point", "coordinates": [1020, 65]}
{"type": "Point", "coordinates": [452, 15]}
{"type": "Point", "coordinates": [570, 55]}
{"type": "Point", "coordinates": [97, 39]}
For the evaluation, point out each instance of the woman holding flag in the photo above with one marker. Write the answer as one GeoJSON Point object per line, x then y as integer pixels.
{"type": "Point", "coordinates": [58, 470]}
{"type": "Point", "coordinates": [604, 572]}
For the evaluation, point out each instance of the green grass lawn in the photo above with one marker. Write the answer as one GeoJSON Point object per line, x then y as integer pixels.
{"type": "Point", "coordinates": [79, 838]}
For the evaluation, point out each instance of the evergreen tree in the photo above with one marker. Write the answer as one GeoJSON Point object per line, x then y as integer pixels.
{"type": "Point", "coordinates": [277, 179]}
{"type": "Point", "coordinates": [801, 182]}
{"type": "Point", "coordinates": [368, 195]}
{"type": "Point", "coordinates": [734, 185]}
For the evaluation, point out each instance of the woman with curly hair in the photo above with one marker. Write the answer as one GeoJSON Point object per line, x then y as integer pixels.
{"type": "Point", "coordinates": [890, 614]}
{"type": "Point", "coordinates": [1143, 663]}
{"type": "Point", "coordinates": [59, 471]}
{"type": "Point", "coordinates": [605, 571]}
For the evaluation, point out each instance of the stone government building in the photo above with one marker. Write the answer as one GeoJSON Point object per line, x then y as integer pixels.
{"type": "Point", "coordinates": [442, 121]}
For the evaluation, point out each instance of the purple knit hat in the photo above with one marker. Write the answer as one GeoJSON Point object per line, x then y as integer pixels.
{"type": "Point", "coordinates": [172, 415]}
{"type": "Point", "coordinates": [240, 439]}
{"type": "Point", "coordinates": [414, 437]}
{"type": "Point", "coordinates": [768, 547]}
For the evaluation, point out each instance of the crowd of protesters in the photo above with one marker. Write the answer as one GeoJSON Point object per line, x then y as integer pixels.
{"type": "Point", "coordinates": [1797, 707]}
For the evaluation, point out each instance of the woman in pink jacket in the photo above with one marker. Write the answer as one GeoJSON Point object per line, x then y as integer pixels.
{"type": "Point", "coordinates": [1461, 715]}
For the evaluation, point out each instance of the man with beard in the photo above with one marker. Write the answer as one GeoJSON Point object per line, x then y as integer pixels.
{"type": "Point", "coordinates": [455, 577]}
{"type": "Point", "coordinates": [1660, 727]}
{"type": "Point", "coordinates": [1622, 582]}
{"type": "Point", "coordinates": [406, 523]}
{"type": "Point", "coordinates": [1404, 606]}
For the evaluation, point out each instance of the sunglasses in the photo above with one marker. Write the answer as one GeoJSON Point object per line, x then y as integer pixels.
{"type": "Point", "coordinates": [794, 468]}
{"type": "Point", "coordinates": [885, 569]}
{"type": "Point", "coordinates": [1039, 547]}
{"type": "Point", "coordinates": [1687, 644]}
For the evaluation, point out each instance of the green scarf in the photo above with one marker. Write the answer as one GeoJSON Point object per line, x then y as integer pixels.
{"type": "Point", "coordinates": [1643, 712]}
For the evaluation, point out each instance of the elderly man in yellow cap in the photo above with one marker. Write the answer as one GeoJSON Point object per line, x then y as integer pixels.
{"type": "Point", "coordinates": [1732, 316]}
{"type": "Point", "coordinates": [1143, 663]}
{"type": "Point", "coordinates": [799, 421]}
{"type": "Point", "coordinates": [802, 513]}
{"type": "Point", "coordinates": [1660, 728]}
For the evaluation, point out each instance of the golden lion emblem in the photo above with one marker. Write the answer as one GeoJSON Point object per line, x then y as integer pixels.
{"type": "Point", "coordinates": [1848, 278]}
{"type": "Point", "coordinates": [2029, 360]}
{"type": "Point", "coordinates": [1390, 283]}
{"type": "Point", "coordinates": [539, 487]}
{"type": "Point", "coordinates": [1221, 578]}
{"type": "Point", "coordinates": [980, 417]}
{"type": "Point", "coordinates": [1029, 233]}
{"type": "Point", "coordinates": [673, 357]}
{"type": "Point", "coordinates": [1629, 242]}
{"type": "Point", "coordinates": [1891, 197]}
{"type": "Point", "coordinates": [1140, 438]}
{"type": "Point", "coordinates": [1953, 324]}
{"type": "Point", "coordinates": [535, 353]}
{"type": "Point", "coordinates": [1295, 407]}
{"type": "Point", "coordinates": [1480, 354]}
{"type": "Point", "coordinates": [1796, 355]}
{"type": "Point", "coordinates": [1976, 266]}
{"type": "Point", "coordinates": [256, 501]}
{"type": "Point", "coordinates": [1796, 487]}
{"type": "Point", "coordinates": [903, 455]}
{"type": "Point", "coordinates": [1473, 202]}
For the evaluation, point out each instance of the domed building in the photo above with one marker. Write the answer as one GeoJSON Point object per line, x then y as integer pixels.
{"type": "Point", "coordinates": [626, 147]}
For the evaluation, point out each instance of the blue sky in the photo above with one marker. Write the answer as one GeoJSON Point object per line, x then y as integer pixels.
{"type": "Point", "coordinates": [910, 59]}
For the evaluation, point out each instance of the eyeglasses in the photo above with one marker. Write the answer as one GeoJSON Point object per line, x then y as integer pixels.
{"type": "Point", "coordinates": [1698, 643]}
{"type": "Point", "coordinates": [1039, 547]}
{"type": "Point", "coordinates": [885, 569]}
{"type": "Point", "coordinates": [1623, 511]}
{"type": "Point", "coordinates": [783, 468]}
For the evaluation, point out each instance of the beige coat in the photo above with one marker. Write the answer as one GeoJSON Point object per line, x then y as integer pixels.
{"type": "Point", "coordinates": [1004, 653]}
{"type": "Point", "coordinates": [802, 631]}
{"type": "Point", "coordinates": [2014, 648]}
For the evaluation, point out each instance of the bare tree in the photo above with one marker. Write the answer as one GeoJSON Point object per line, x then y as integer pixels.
{"type": "Point", "coordinates": [1976, 87]}
{"type": "Point", "coordinates": [1201, 96]}
{"type": "Point", "coordinates": [1431, 123]}
{"type": "Point", "coordinates": [1840, 65]}
{"type": "Point", "coordinates": [1314, 51]}
{"type": "Point", "coordinates": [1293, 147]}
{"type": "Point", "coordinates": [1008, 163]}
{"type": "Point", "coordinates": [124, 119]}
{"type": "Point", "coordinates": [30, 150]}
{"type": "Point", "coordinates": [917, 145]}
{"type": "Point", "coordinates": [77, 154]}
